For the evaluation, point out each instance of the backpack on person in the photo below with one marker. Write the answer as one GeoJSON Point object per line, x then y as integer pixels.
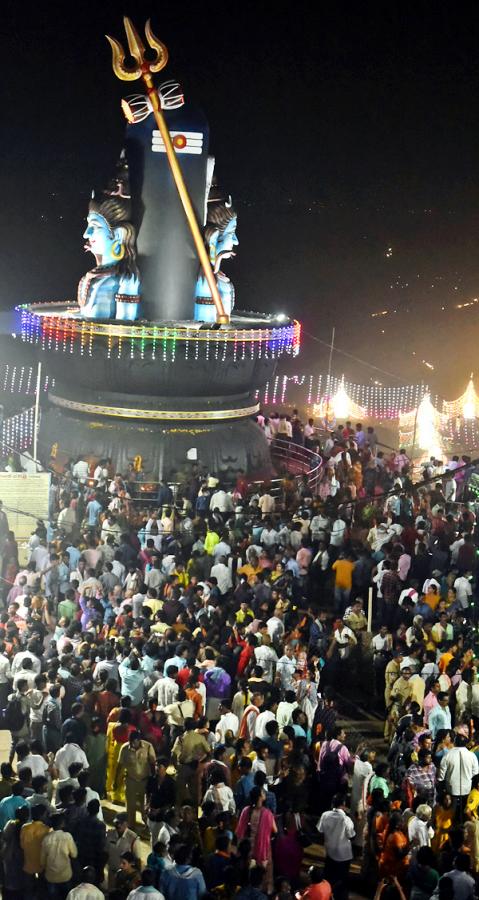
{"type": "Point", "coordinates": [50, 716]}
{"type": "Point", "coordinates": [15, 715]}
{"type": "Point", "coordinates": [331, 769]}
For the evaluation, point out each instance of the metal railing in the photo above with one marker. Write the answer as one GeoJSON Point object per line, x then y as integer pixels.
{"type": "Point", "coordinates": [298, 461]}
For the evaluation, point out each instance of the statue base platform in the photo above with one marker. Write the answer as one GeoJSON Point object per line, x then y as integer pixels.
{"type": "Point", "coordinates": [164, 448]}
{"type": "Point", "coordinates": [164, 391]}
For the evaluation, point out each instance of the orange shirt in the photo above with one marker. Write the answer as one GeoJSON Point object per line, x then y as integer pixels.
{"type": "Point", "coordinates": [444, 661]}
{"type": "Point", "coordinates": [197, 699]}
{"type": "Point", "coordinates": [432, 599]}
{"type": "Point", "coordinates": [343, 571]}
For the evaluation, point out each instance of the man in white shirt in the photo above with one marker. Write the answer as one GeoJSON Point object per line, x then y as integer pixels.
{"type": "Point", "coordinates": [41, 557]}
{"type": "Point", "coordinates": [66, 755]}
{"type": "Point", "coordinates": [266, 504]}
{"type": "Point", "coordinates": [25, 674]}
{"type": "Point", "coordinates": [81, 471]}
{"type": "Point", "coordinates": [111, 527]}
{"type": "Point", "coordinates": [221, 501]}
{"type": "Point", "coordinates": [66, 520]}
{"type": "Point", "coordinates": [80, 574]}
{"type": "Point", "coordinates": [320, 527]}
{"type": "Point", "coordinates": [17, 662]}
{"type": "Point", "coordinates": [266, 657]}
{"type": "Point", "coordinates": [269, 536]}
{"type": "Point", "coordinates": [221, 549]}
{"type": "Point", "coordinates": [286, 667]}
{"type": "Point", "coordinates": [418, 828]}
{"type": "Point", "coordinates": [227, 722]}
{"type": "Point", "coordinates": [338, 531]}
{"type": "Point", "coordinates": [455, 547]}
{"type": "Point", "coordinates": [344, 638]}
{"type": "Point", "coordinates": [165, 689]}
{"type": "Point", "coordinates": [221, 572]}
{"type": "Point", "coordinates": [285, 709]}
{"type": "Point", "coordinates": [35, 762]}
{"type": "Point", "coordinates": [463, 588]}
{"type": "Point", "coordinates": [457, 768]}
{"type": "Point", "coordinates": [275, 625]}
{"type": "Point", "coordinates": [220, 794]}
{"type": "Point", "coordinates": [5, 676]}
{"type": "Point", "coordinates": [265, 716]}
{"type": "Point", "coordinates": [378, 536]}
{"type": "Point", "coordinates": [329, 444]}
{"type": "Point", "coordinates": [338, 831]}
{"type": "Point", "coordinates": [309, 434]}
{"type": "Point", "coordinates": [382, 642]}
{"type": "Point", "coordinates": [362, 772]}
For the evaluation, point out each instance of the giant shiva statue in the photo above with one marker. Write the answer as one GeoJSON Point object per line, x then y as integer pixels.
{"type": "Point", "coordinates": [112, 289]}
{"type": "Point", "coordinates": [160, 232]}
{"type": "Point", "coordinates": [220, 239]}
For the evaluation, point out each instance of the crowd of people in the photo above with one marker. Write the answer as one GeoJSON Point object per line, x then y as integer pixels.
{"type": "Point", "coordinates": [175, 682]}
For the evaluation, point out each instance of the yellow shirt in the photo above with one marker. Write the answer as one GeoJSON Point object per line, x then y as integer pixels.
{"type": "Point", "coordinates": [154, 605]}
{"type": "Point", "coordinates": [473, 803]}
{"type": "Point", "coordinates": [31, 839]}
{"type": "Point", "coordinates": [183, 578]}
{"type": "Point", "coordinates": [241, 616]}
{"type": "Point", "coordinates": [249, 571]}
{"type": "Point", "coordinates": [211, 540]}
{"type": "Point", "coordinates": [160, 627]}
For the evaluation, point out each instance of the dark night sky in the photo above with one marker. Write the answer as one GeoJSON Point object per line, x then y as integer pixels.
{"type": "Point", "coordinates": [340, 129]}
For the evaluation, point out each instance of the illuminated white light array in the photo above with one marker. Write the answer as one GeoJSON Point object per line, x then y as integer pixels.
{"type": "Point", "coordinates": [376, 401]}
{"type": "Point", "coordinates": [20, 380]}
{"type": "Point", "coordinates": [17, 432]}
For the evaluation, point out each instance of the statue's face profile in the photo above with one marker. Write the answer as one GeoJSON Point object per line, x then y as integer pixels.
{"type": "Point", "coordinates": [225, 243]}
{"type": "Point", "coordinates": [100, 240]}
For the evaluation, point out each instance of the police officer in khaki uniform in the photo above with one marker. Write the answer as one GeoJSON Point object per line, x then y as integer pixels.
{"type": "Point", "coordinates": [138, 760]}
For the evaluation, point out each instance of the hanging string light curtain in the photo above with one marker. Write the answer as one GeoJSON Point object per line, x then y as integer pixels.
{"type": "Point", "coordinates": [339, 406]}
{"type": "Point", "coordinates": [21, 379]}
{"type": "Point", "coordinates": [422, 428]}
{"type": "Point", "coordinates": [466, 406]}
{"type": "Point", "coordinates": [375, 401]}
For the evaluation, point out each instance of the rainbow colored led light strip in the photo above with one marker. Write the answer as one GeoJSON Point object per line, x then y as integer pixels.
{"type": "Point", "coordinates": [68, 334]}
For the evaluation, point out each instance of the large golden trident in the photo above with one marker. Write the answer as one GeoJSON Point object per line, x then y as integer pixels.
{"type": "Point", "coordinates": [143, 70]}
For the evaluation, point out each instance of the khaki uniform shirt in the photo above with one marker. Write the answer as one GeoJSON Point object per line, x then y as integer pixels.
{"type": "Point", "coordinates": [138, 764]}
{"type": "Point", "coordinates": [391, 675]}
{"type": "Point", "coordinates": [190, 746]}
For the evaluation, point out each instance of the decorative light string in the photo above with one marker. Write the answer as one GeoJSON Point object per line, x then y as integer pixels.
{"type": "Point", "coordinates": [20, 380]}
{"type": "Point", "coordinates": [17, 431]}
{"type": "Point", "coordinates": [376, 401]}
{"type": "Point", "coordinates": [63, 332]}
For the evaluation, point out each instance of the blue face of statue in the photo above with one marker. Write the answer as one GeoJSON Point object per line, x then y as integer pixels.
{"type": "Point", "coordinates": [101, 241]}
{"type": "Point", "coordinates": [226, 242]}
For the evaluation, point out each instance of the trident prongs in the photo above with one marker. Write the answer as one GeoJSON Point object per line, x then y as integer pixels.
{"type": "Point", "coordinates": [144, 70]}
{"type": "Point", "coordinates": [156, 44]}
{"type": "Point", "coordinates": [137, 51]}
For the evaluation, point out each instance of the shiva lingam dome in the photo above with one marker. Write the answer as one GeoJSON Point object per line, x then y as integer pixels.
{"type": "Point", "coordinates": [152, 359]}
